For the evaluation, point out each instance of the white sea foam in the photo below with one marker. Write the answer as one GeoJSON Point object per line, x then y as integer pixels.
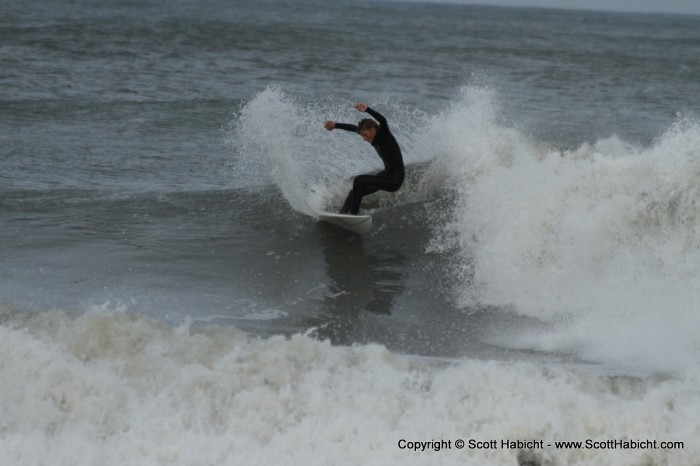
{"type": "Point", "coordinates": [602, 240]}
{"type": "Point", "coordinates": [114, 389]}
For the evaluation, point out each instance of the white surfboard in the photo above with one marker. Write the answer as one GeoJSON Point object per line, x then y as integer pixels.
{"type": "Point", "coordinates": [359, 224]}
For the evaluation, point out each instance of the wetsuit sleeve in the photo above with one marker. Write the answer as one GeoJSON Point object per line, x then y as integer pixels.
{"type": "Point", "coordinates": [378, 116]}
{"type": "Point", "coordinates": [346, 127]}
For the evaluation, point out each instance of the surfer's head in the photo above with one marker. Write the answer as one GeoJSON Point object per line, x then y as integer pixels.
{"type": "Point", "coordinates": [367, 128]}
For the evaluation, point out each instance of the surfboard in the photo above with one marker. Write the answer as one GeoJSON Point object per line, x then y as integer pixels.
{"type": "Point", "coordinates": [359, 224]}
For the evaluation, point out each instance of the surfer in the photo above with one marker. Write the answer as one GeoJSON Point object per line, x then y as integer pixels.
{"type": "Point", "coordinates": [378, 134]}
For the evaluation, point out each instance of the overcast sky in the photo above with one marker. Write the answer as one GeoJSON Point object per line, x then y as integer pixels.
{"type": "Point", "coordinates": [646, 6]}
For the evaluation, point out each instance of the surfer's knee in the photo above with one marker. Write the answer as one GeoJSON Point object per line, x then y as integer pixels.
{"type": "Point", "coordinates": [358, 182]}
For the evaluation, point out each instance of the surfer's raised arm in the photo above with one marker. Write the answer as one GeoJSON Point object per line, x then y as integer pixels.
{"type": "Point", "coordinates": [362, 107]}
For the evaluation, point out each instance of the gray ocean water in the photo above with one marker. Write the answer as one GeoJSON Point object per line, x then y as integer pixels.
{"type": "Point", "coordinates": [160, 166]}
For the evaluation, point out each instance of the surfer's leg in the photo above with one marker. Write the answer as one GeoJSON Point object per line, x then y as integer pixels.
{"type": "Point", "coordinates": [347, 204]}
{"type": "Point", "coordinates": [363, 185]}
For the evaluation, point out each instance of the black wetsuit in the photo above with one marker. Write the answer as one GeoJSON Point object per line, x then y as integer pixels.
{"type": "Point", "coordinates": [390, 179]}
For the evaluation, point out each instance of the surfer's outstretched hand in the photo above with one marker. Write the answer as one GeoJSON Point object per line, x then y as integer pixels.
{"type": "Point", "coordinates": [330, 125]}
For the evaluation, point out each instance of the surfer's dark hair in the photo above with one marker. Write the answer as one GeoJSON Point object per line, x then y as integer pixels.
{"type": "Point", "coordinates": [367, 123]}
